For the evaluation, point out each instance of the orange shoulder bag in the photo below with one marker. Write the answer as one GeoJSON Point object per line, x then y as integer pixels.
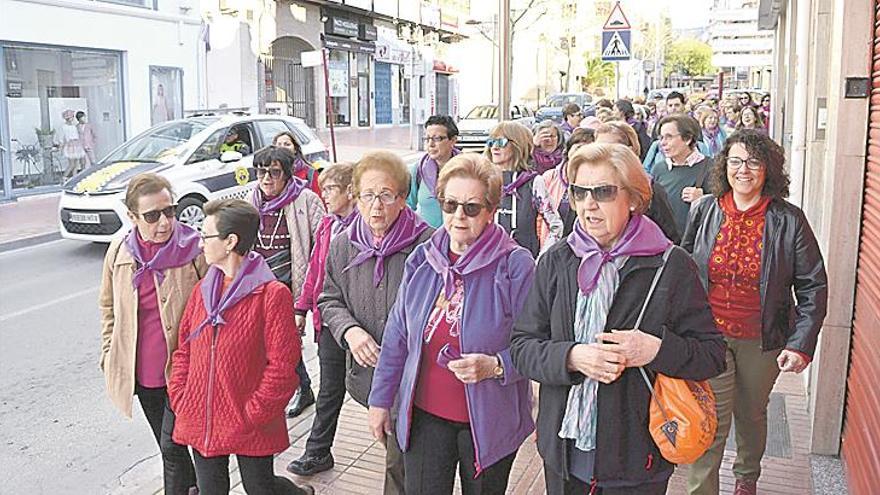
{"type": "Point", "coordinates": [683, 420]}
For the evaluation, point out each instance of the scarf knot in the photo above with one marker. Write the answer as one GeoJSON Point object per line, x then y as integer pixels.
{"type": "Point", "coordinates": [521, 179]}
{"type": "Point", "coordinates": [405, 230]}
{"type": "Point", "coordinates": [181, 248]}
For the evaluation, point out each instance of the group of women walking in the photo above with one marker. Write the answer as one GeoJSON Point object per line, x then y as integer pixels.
{"type": "Point", "coordinates": [430, 310]}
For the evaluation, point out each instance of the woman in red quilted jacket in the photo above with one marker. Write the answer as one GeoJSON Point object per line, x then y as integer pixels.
{"type": "Point", "coordinates": [233, 371]}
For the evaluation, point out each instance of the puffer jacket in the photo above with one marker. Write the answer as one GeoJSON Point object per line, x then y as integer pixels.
{"type": "Point", "coordinates": [118, 305]}
{"type": "Point", "coordinates": [790, 260]}
{"type": "Point", "coordinates": [230, 384]}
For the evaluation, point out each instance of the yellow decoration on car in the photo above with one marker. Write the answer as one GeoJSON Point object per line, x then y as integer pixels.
{"type": "Point", "coordinates": [97, 180]}
{"type": "Point", "coordinates": [242, 176]}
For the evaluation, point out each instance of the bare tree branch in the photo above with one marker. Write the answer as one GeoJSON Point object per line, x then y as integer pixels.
{"type": "Point", "coordinates": [525, 10]}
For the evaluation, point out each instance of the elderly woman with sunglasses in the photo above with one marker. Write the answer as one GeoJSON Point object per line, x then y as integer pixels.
{"type": "Point", "coordinates": [575, 334]}
{"type": "Point", "coordinates": [754, 250]}
{"type": "Point", "coordinates": [521, 212]}
{"type": "Point", "coordinates": [445, 354]}
{"type": "Point", "coordinates": [146, 281]}
{"type": "Point", "coordinates": [289, 217]}
{"type": "Point", "coordinates": [233, 370]}
{"type": "Point", "coordinates": [364, 270]}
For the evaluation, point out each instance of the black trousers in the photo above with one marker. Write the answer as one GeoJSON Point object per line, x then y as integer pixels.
{"type": "Point", "coordinates": [436, 446]}
{"type": "Point", "coordinates": [257, 476]}
{"type": "Point", "coordinates": [177, 466]}
{"type": "Point", "coordinates": [573, 486]}
{"type": "Point", "coordinates": [330, 396]}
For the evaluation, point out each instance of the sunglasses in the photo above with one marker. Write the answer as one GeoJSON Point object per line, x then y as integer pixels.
{"type": "Point", "coordinates": [154, 215]}
{"type": "Point", "coordinates": [601, 194]}
{"type": "Point", "coordinates": [275, 173]}
{"type": "Point", "coordinates": [497, 142]}
{"type": "Point", "coordinates": [470, 209]}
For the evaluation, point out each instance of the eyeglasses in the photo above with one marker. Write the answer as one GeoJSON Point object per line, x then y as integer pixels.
{"type": "Point", "coordinates": [153, 216]}
{"type": "Point", "coordinates": [206, 237]}
{"type": "Point", "coordinates": [330, 187]}
{"type": "Point", "coordinates": [734, 163]}
{"type": "Point", "coordinates": [275, 173]}
{"type": "Point", "coordinates": [601, 194]}
{"type": "Point", "coordinates": [450, 206]}
{"type": "Point", "coordinates": [435, 139]}
{"type": "Point", "coordinates": [501, 142]}
{"type": "Point", "coordinates": [385, 197]}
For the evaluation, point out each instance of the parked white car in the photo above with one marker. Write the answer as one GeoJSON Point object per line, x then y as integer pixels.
{"type": "Point", "coordinates": [187, 153]}
{"type": "Point", "coordinates": [474, 128]}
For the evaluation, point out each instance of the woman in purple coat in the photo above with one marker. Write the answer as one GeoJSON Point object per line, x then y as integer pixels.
{"type": "Point", "coordinates": [445, 355]}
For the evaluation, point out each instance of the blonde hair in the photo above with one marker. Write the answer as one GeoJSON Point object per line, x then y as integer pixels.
{"type": "Point", "coordinates": [473, 166]}
{"type": "Point", "coordinates": [624, 133]}
{"type": "Point", "coordinates": [143, 185]}
{"type": "Point", "coordinates": [340, 173]}
{"type": "Point", "coordinates": [604, 114]}
{"type": "Point", "coordinates": [626, 166]}
{"type": "Point", "coordinates": [520, 137]}
{"type": "Point", "coordinates": [382, 161]}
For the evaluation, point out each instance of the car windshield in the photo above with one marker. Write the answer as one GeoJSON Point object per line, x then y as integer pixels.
{"type": "Point", "coordinates": [562, 100]}
{"type": "Point", "coordinates": [483, 112]}
{"type": "Point", "coordinates": [161, 143]}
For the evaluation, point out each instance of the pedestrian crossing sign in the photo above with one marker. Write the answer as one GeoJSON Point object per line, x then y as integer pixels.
{"type": "Point", "coordinates": [616, 45]}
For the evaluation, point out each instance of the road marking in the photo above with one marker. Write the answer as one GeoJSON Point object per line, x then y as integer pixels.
{"type": "Point", "coordinates": [47, 304]}
{"type": "Point", "coordinates": [42, 244]}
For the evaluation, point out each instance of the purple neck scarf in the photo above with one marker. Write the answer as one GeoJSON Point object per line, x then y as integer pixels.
{"type": "Point", "coordinates": [253, 273]}
{"type": "Point", "coordinates": [545, 160]}
{"type": "Point", "coordinates": [294, 187]}
{"type": "Point", "coordinates": [300, 164]}
{"type": "Point", "coordinates": [406, 229]}
{"type": "Point", "coordinates": [641, 237]}
{"type": "Point", "coordinates": [342, 223]}
{"type": "Point", "coordinates": [180, 249]}
{"type": "Point", "coordinates": [520, 180]}
{"type": "Point", "coordinates": [493, 244]}
{"type": "Point", "coordinates": [429, 170]}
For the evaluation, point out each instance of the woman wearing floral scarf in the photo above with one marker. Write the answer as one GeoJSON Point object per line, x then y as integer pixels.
{"type": "Point", "coordinates": [575, 334]}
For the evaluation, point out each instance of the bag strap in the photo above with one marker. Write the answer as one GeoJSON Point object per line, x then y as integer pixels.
{"type": "Point", "coordinates": [639, 322]}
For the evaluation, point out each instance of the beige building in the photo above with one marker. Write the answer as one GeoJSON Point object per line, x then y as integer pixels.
{"type": "Point", "coordinates": [827, 116]}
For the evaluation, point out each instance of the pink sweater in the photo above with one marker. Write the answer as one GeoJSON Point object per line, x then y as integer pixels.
{"type": "Point", "coordinates": [314, 284]}
{"type": "Point", "coordinates": [152, 350]}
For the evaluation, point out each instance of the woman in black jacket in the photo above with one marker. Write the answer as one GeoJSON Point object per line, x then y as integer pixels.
{"type": "Point", "coordinates": [752, 249]}
{"type": "Point", "coordinates": [575, 334]}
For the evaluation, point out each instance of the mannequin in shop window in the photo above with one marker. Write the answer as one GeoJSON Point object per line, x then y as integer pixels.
{"type": "Point", "coordinates": [71, 145]}
{"type": "Point", "coordinates": [86, 137]}
{"type": "Point", "coordinates": [161, 111]}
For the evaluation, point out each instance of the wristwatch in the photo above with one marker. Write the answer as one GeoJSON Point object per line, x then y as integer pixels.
{"type": "Point", "coordinates": [498, 372]}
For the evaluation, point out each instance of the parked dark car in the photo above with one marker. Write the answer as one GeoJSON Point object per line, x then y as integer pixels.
{"type": "Point", "coordinates": [553, 109]}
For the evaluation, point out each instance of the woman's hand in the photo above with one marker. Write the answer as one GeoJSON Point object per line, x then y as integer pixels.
{"type": "Point", "coordinates": [379, 420]}
{"type": "Point", "coordinates": [473, 368]}
{"type": "Point", "coordinates": [635, 346]}
{"type": "Point", "coordinates": [363, 347]}
{"type": "Point", "coordinates": [300, 322]}
{"type": "Point", "coordinates": [602, 365]}
{"type": "Point", "coordinates": [790, 361]}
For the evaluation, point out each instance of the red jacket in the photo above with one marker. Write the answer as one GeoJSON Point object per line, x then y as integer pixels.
{"type": "Point", "coordinates": [314, 284]}
{"type": "Point", "coordinates": [229, 386]}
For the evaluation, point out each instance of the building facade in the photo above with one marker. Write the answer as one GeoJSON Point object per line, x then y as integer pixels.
{"type": "Point", "coordinates": [90, 57]}
{"type": "Point", "coordinates": [742, 51]}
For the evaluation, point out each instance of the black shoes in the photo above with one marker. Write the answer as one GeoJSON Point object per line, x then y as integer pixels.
{"type": "Point", "coordinates": [309, 464]}
{"type": "Point", "coordinates": [303, 398]}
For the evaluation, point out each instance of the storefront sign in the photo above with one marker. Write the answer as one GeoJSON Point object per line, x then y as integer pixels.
{"type": "Point", "coordinates": [367, 32]}
{"type": "Point", "coordinates": [13, 89]}
{"type": "Point", "coordinates": [388, 52]}
{"type": "Point", "coordinates": [341, 27]}
{"type": "Point", "coordinates": [350, 45]}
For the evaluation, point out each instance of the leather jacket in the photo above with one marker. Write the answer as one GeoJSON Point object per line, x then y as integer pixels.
{"type": "Point", "coordinates": [791, 264]}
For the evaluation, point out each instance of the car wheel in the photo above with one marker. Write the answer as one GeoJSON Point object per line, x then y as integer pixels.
{"type": "Point", "coordinates": [190, 211]}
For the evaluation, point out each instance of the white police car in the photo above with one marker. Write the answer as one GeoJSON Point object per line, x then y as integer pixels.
{"type": "Point", "coordinates": [187, 153]}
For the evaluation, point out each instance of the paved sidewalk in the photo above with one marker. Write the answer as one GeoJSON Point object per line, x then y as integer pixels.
{"type": "Point", "coordinates": [359, 466]}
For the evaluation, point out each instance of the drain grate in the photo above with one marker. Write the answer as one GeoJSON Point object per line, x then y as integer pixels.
{"type": "Point", "coordinates": [778, 434]}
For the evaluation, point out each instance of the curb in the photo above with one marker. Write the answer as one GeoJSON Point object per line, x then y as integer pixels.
{"type": "Point", "coordinates": [29, 241]}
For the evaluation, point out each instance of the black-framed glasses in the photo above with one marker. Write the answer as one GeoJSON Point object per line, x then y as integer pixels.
{"type": "Point", "coordinates": [501, 142]}
{"type": "Point", "coordinates": [735, 162]}
{"type": "Point", "coordinates": [602, 194]}
{"type": "Point", "coordinates": [385, 197]}
{"type": "Point", "coordinates": [206, 237]}
{"type": "Point", "coordinates": [450, 206]}
{"type": "Point", "coordinates": [435, 139]}
{"type": "Point", "coordinates": [275, 173]}
{"type": "Point", "coordinates": [154, 215]}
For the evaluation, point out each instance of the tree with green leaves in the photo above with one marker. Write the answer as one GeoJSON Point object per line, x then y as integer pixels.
{"type": "Point", "coordinates": [598, 73]}
{"type": "Point", "coordinates": [689, 57]}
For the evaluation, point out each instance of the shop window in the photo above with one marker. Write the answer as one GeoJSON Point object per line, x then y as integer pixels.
{"type": "Point", "coordinates": [340, 89]}
{"type": "Point", "coordinates": [166, 94]}
{"type": "Point", "coordinates": [383, 93]}
{"type": "Point", "coordinates": [64, 112]}
{"type": "Point", "coordinates": [404, 97]}
{"type": "Point", "coordinates": [363, 74]}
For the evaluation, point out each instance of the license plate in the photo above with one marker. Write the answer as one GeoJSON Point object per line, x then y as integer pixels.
{"type": "Point", "coordinates": [85, 218]}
